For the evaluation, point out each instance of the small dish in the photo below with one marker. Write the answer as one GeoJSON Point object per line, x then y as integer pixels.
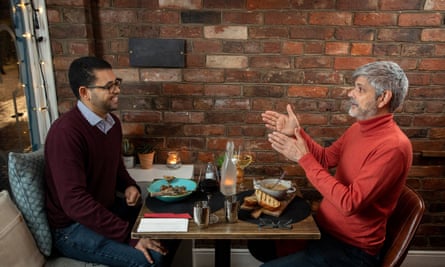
{"type": "Point", "coordinates": [280, 187]}
{"type": "Point", "coordinates": [189, 185]}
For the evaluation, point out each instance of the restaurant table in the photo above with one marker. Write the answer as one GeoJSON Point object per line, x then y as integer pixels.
{"type": "Point", "coordinates": [222, 232]}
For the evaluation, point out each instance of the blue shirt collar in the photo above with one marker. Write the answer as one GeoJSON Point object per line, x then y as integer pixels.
{"type": "Point", "coordinates": [103, 124]}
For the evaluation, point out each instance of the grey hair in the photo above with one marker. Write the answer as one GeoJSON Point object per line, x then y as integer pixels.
{"type": "Point", "coordinates": [385, 75]}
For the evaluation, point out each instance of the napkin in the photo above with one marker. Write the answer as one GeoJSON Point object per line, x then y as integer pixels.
{"type": "Point", "coordinates": [167, 215]}
{"type": "Point", "coordinates": [163, 225]}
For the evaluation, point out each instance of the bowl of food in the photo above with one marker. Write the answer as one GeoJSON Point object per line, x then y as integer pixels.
{"type": "Point", "coordinates": [171, 191]}
{"type": "Point", "coordinates": [277, 188]}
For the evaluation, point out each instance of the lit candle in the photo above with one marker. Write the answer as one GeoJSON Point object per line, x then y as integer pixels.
{"type": "Point", "coordinates": [229, 181]}
{"type": "Point", "coordinates": [173, 160]}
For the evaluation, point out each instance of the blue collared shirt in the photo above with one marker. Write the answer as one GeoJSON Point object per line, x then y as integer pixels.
{"type": "Point", "coordinates": [103, 124]}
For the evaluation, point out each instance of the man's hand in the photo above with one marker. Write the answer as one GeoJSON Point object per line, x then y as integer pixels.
{"type": "Point", "coordinates": [146, 243]}
{"type": "Point", "coordinates": [132, 195]}
{"type": "Point", "coordinates": [282, 123]}
{"type": "Point", "coordinates": [293, 149]}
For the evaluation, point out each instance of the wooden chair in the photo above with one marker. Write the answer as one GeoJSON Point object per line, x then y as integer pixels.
{"type": "Point", "coordinates": [401, 227]}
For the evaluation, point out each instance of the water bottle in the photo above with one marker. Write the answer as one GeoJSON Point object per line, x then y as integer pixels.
{"type": "Point", "coordinates": [228, 172]}
{"type": "Point", "coordinates": [210, 173]}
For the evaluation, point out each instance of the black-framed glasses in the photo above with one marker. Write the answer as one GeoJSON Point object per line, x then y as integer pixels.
{"type": "Point", "coordinates": [110, 85]}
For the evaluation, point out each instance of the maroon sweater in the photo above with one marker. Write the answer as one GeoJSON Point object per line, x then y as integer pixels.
{"type": "Point", "coordinates": [84, 169]}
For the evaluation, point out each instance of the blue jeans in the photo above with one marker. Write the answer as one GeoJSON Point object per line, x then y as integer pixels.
{"type": "Point", "coordinates": [78, 242]}
{"type": "Point", "coordinates": [325, 252]}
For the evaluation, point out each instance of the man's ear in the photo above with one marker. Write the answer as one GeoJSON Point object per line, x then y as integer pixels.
{"type": "Point", "coordinates": [84, 93]}
{"type": "Point", "coordinates": [385, 98]}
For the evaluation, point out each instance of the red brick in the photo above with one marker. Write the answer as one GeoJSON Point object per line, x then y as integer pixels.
{"type": "Point", "coordinates": [307, 91]}
{"type": "Point", "coordinates": [242, 76]}
{"type": "Point", "coordinates": [356, 5]}
{"type": "Point", "coordinates": [285, 18]}
{"type": "Point", "coordinates": [222, 90]}
{"type": "Point", "coordinates": [233, 17]}
{"type": "Point", "coordinates": [204, 130]}
{"type": "Point", "coordinates": [165, 17]}
{"type": "Point", "coordinates": [323, 77]}
{"type": "Point", "coordinates": [232, 104]}
{"type": "Point", "coordinates": [313, 62]}
{"type": "Point", "coordinates": [375, 19]}
{"type": "Point", "coordinates": [361, 49]}
{"type": "Point", "coordinates": [358, 34]}
{"type": "Point", "coordinates": [136, 129]}
{"type": "Point", "coordinates": [437, 133]}
{"type": "Point", "coordinates": [432, 64]}
{"type": "Point", "coordinates": [126, 3]}
{"type": "Point", "coordinates": [387, 49]}
{"type": "Point", "coordinates": [310, 4]}
{"type": "Point", "coordinates": [283, 76]}
{"type": "Point", "coordinates": [409, 19]}
{"type": "Point", "coordinates": [419, 78]}
{"type": "Point", "coordinates": [175, 117]}
{"type": "Point", "coordinates": [399, 35]}
{"type": "Point", "coordinates": [336, 48]}
{"type": "Point", "coordinates": [429, 120]}
{"type": "Point", "coordinates": [433, 35]}
{"type": "Point", "coordinates": [53, 15]}
{"type": "Point", "coordinates": [435, 106]}
{"type": "Point", "coordinates": [203, 75]}
{"type": "Point", "coordinates": [271, 47]}
{"type": "Point", "coordinates": [142, 116]}
{"type": "Point", "coordinates": [195, 61]}
{"type": "Point", "coordinates": [313, 47]}
{"type": "Point", "coordinates": [347, 63]}
{"type": "Point", "coordinates": [330, 18]}
{"type": "Point", "coordinates": [268, 32]}
{"type": "Point", "coordinates": [229, 4]}
{"type": "Point", "coordinates": [183, 89]}
{"type": "Point", "coordinates": [251, 47]}
{"type": "Point", "coordinates": [267, 4]}
{"type": "Point", "coordinates": [274, 62]}
{"type": "Point", "coordinates": [312, 32]}
{"type": "Point", "coordinates": [415, 50]}
{"type": "Point", "coordinates": [180, 32]}
{"type": "Point", "coordinates": [400, 5]}
{"type": "Point", "coordinates": [292, 48]}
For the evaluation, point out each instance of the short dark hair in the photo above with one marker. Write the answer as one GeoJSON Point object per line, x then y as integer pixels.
{"type": "Point", "coordinates": [81, 72]}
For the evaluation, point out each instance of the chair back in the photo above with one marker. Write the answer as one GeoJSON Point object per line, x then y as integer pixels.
{"type": "Point", "coordinates": [401, 227]}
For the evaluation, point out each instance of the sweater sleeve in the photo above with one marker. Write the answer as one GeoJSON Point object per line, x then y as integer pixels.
{"type": "Point", "coordinates": [376, 175]}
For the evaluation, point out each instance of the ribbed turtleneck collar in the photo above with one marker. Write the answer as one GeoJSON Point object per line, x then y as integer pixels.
{"type": "Point", "coordinates": [377, 123]}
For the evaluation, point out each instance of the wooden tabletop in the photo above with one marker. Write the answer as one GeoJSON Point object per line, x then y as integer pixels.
{"type": "Point", "coordinates": [305, 229]}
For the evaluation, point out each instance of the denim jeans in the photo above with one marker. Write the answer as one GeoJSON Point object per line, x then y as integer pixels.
{"type": "Point", "coordinates": [325, 252]}
{"type": "Point", "coordinates": [78, 242]}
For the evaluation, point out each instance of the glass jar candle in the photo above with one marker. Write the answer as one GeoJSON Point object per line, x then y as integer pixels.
{"type": "Point", "coordinates": [173, 160]}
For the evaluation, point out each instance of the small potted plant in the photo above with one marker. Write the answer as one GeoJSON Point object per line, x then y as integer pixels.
{"type": "Point", "coordinates": [128, 153]}
{"type": "Point", "coordinates": [146, 155]}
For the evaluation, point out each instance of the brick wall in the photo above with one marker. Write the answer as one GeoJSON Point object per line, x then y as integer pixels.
{"type": "Point", "coordinates": [246, 56]}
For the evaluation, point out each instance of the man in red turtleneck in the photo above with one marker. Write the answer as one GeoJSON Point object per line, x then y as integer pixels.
{"type": "Point", "coordinates": [372, 159]}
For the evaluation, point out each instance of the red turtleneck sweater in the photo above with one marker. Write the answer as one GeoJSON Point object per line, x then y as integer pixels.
{"type": "Point", "coordinates": [372, 159]}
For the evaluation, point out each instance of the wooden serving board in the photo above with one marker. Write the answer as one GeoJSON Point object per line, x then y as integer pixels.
{"type": "Point", "coordinates": [256, 212]}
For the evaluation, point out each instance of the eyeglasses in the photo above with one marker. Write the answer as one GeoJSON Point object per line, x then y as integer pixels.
{"type": "Point", "coordinates": [110, 85]}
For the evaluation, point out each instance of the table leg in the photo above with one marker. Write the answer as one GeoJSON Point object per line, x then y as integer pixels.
{"type": "Point", "coordinates": [222, 253]}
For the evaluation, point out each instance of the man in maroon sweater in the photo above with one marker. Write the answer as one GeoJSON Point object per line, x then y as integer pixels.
{"type": "Point", "coordinates": [372, 159]}
{"type": "Point", "coordinates": [84, 171]}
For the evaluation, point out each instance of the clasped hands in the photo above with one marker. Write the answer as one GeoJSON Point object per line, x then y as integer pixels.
{"type": "Point", "coordinates": [285, 138]}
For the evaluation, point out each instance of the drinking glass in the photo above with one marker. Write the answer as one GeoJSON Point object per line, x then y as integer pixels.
{"type": "Point", "coordinates": [242, 159]}
{"type": "Point", "coordinates": [209, 187]}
